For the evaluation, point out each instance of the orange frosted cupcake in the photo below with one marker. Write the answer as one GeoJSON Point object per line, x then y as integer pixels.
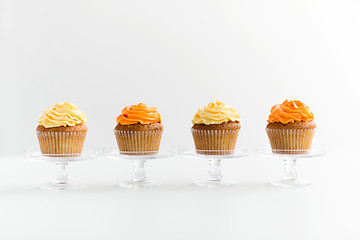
{"type": "Point", "coordinates": [138, 130]}
{"type": "Point", "coordinates": [291, 127]}
{"type": "Point", "coordinates": [215, 129]}
{"type": "Point", "coordinates": [62, 130]}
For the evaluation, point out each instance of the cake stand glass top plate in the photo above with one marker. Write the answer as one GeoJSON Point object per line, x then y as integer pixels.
{"type": "Point", "coordinates": [315, 151]}
{"type": "Point", "coordinates": [215, 154]}
{"type": "Point", "coordinates": [113, 152]}
{"type": "Point", "coordinates": [88, 154]}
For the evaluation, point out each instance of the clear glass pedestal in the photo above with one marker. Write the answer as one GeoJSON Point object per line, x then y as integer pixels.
{"type": "Point", "coordinates": [61, 181]}
{"type": "Point", "coordinates": [290, 157]}
{"type": "Point", "coordinates": [139, 179]}
{"type": "Point", "coordinates": [214, 178]}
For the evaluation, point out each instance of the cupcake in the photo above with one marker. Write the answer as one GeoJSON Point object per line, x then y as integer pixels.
{"type": "Point", "coordinates": [291, 128]}
{"type": "Point", "coordinates": [62, 130]}
{"type": "Point", "coordinates": [138, 130]}
{"type": "Point", "coordinates": [215, 129]}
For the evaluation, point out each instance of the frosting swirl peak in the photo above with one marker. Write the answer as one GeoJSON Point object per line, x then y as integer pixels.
{"type": "Point", "coordinates": [290, 111]}
{"type": "Point", "coordinates": [62, 114]}
{"type": "Point", "coordinates": [139, 113]}
{"type": "Point", "coordinates": [216, 113]}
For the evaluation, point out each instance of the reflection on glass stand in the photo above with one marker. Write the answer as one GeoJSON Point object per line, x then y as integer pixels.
{"type": "Point", "coordinates": [61, 181]}
{"type": "Point", "coordinates": [290, 178]}
{"type": "Point", "coordinates": [139, 179]}
{"type": "Point", "coordinates": [214, 157]}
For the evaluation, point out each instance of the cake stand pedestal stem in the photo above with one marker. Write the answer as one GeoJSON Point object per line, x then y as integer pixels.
{"type": "Point", "coordinates": [214, 170]}
{"type": "Point", "coordinates": [62, 174]}
{"type": "Point", "coordinates": [139, 170]}
{"type": "Point", "coordinates": [289, 169]}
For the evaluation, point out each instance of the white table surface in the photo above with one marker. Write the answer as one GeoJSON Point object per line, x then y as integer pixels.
{"type": "Point", "coordinates": [329, 209]}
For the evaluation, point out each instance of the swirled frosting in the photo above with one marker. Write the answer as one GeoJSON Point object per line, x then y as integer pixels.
{"type": "Point", "coordinates": [290, 111]}
{"type": "Point", "coordinates": [216, 113]}
{"type": "Point", "coordinates": [139, 113]}
{"type": "Point", "coordinates": [62, 114]}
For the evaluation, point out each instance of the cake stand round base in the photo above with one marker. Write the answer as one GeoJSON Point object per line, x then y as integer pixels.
{"type": "Point", "coordinates": [214, 184]}
{"type": "Point", "coordinates": [61, 186]}
{"type": "Point", "coordinates": [142, 184]}
{"type": "Point", "coordinates": [290, 183]}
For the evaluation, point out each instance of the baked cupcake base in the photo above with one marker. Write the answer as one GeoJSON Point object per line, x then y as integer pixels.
{"type": "Point", "coordinates": [138, 139]}
{"type": "Point", "coordinates": [215, 139]}
{"type": "Point", "coordinates": [62, 141]}
{"type": "Point", "coordinates": [291, 138]}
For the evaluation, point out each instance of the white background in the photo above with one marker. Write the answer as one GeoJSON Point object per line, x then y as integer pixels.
{"type": "Point", "coordinates": [177, 56]}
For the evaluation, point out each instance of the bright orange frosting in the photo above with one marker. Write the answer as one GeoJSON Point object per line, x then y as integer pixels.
{"type": "Point", "coordinates": [139, 113]}
{"type": "Point", "coordinates": [290, 111]}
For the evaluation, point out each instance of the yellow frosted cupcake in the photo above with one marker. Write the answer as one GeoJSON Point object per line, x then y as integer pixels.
{"type": "Point", "coordinates": [215, 129]}
{"type": "Point", "coordinates": [62, 130]}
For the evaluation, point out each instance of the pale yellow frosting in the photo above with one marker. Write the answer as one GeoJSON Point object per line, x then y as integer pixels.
{"type": "Point", "coordinates": [62, 114]}
{"type": "Point", "coordinates": [216, 113]}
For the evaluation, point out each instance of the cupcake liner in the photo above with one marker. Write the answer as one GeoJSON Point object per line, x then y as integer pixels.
{"type": "Point", "coordinates": [215, 142]}
{"type": "Point", "coordinates": [290, 141]}
{"type": "Point", "coordinates": [138, 142]}
{"type": "Point", "coordinates": [61, 143]}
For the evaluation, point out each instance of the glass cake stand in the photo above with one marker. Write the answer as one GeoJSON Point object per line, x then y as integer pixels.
{"type": "Point", "coordinates": [214, 178]}
{"type": "Point", "coordinates": [61, 181]}
{"type": "Point", "coordinates": [290, 178]}
{"type": "Point", "coordinates": [139, 179]}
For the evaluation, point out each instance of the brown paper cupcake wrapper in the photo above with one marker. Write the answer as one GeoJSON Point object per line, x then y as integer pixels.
{"type": "Point", "coordinates": [138, 142]}
{"type": "Point", "coordinates": [61, 143]}
{"type": "Point", "coordinates": [215, 142]}
{"type": "Point", "coordinates": [290, 141]}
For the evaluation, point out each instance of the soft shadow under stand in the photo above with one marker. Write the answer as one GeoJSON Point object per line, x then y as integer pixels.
{"type": "Point", "coordinates": [61, 181]}
{"type": "Point", "coordinates": [214, 157]}
{"type": "Point", "coordinates": [290, 178]}
{"type": "Point", "coordinates": [139, 179]}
